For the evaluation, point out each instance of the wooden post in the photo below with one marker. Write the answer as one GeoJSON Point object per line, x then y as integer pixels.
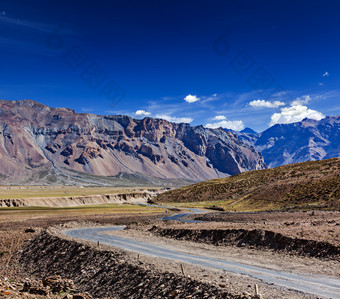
{"type": "Point", "coordinates": [182, 270]}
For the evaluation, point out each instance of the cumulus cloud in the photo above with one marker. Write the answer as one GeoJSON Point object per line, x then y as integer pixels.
{"type": "Point", "coordinates": [266, 104]}
{"type": "Point", "coordinates": [142, 112]}
{"type": "Point", "coordinates": [175, 119]}
{"type": "Point", "coordinates": [301, 100]}
{"type": "Point", "coordinates": [219, 117]}
{"type": "Point", "coordinates": [325, 74]}
{"type": "Point", "coordinates": [236, 125]}
{"type": "Point", "coordinates": [191, 98]}
{"type": "Point", "coordinates": [293, 114]}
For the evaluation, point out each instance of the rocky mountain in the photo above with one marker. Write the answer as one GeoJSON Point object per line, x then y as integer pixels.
{"type": "Point", "coordinates": [308, 140]}
{"type": "Point", "coordinates": [247, 137]}
{"type": "Point", "coordinates": [56, 144]}
{"type": "Point", "coordinates": [248, 131]}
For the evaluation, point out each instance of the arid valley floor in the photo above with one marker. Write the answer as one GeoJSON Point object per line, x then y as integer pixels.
{"type": "Point", "coordinates": [272, 240]}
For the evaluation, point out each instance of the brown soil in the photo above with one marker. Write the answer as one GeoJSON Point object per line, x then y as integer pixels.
{"type": "Point", "coordinates": [104, 272]}
{"type": "Point", "coordinates": [16, 230]}
{"type": "Point", "coordinates": [20, 223]}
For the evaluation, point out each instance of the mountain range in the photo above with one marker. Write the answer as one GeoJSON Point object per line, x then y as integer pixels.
{"type": "Point", "coordinates": [308, 140]}
{"type": "Point", "coordinates": [44, 145]}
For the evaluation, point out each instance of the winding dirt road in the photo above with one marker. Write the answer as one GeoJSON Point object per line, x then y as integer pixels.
{"type": "Point", "coordinates": [320, 286]}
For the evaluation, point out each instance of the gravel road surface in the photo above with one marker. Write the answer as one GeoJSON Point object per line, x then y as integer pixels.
{"type": "Point", "coordinates": [321, 286]}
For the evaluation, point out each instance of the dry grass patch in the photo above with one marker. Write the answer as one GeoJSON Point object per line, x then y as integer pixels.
{"type": "Point", "coordinates": [306, 185]}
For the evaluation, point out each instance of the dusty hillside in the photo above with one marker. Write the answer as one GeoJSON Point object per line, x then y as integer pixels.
{"type": "Point", "coordinates": [307, 184]}
{"type": "Point", "coordinates": [57, 142]}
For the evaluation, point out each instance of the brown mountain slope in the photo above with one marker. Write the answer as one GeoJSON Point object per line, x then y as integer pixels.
{"type": "Point", "coordinates": [307, 184]}
{"type": "Point", "coordinates": [57, 142]}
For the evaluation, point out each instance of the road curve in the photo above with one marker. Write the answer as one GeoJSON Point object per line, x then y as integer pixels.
{"type": "Point", "coordinates": [176, 217]}
{"type": "Point", "coordinates": [321, 286]}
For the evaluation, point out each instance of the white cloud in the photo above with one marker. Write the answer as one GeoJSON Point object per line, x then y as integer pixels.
{"type": "Point", "coordinates": [301, 100]}
{"type": "Point", "coordinates": [320, 83]}
{"type": "Point", "coordinates": [293, 114]}
{"type": "Point", "coordinates": [267, 104]}
{"type": "Point", "coordinates": [325, 74]}
{"type": "Point", "coordinates": [219, 117]}
{"type": "Point", "coordinates": [142, 112]}
{"type": "Point", "coordinates": [191, 98]}
{"type": "Point", "coordinates": [175, 119]}
{"type": "Point", "coordinates": [236, 125]}
{"type": "Point", "coordinates": [213, 97]}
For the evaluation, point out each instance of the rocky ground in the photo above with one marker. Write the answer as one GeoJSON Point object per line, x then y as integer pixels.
{"type": "Point", "coordinates": [16, 230]}
{"type": "Point", "coordinates": [49, 287]}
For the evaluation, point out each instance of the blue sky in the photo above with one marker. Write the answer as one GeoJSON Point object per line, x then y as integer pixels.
{"type": "Point", "coordinates": [233, 64]}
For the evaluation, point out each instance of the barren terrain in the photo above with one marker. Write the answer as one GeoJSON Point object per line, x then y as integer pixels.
{"type": "Point", "coordinates": [22, 257]}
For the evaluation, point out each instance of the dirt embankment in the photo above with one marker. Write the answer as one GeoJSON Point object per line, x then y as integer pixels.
{"type": "Point", "coordinates": [72, 201]}
{"type": "Point", "coordinates": [105, 273]}
{"type": "Point", "coordinates": [256, 238]}
{"type": "Point", "coordinates": [320, 226]}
